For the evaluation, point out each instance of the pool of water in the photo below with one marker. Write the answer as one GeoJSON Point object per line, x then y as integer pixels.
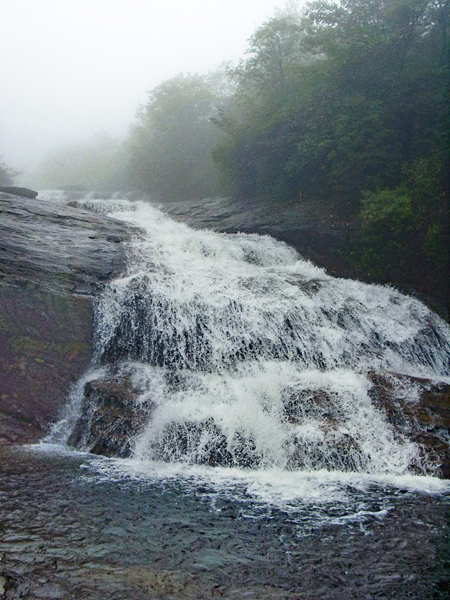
{"type": "Point", "coordinates": [75, 526]}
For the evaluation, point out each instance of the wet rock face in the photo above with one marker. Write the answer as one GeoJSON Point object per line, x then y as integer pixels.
{"type": "Point", "coordinates": [58, 247]}
{"type": "Point", "coordinates": [54, 260]}
{"type": "Point", "coordinates": [111, 416]}
{"type": "Point", "coordinates": [426, 418]}
{"type": "Point", "coordinates": [19, 191]}
{"type": "Point", "coordinates": [45, 343]}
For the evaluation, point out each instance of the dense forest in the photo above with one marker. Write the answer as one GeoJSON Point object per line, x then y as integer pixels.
{"type": "Point", "coordinates": [347, 105]}
{"type": "Point", "coordinates": [343, 105]}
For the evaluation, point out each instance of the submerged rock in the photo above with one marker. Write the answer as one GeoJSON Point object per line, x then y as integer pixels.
{"type": "Point", "coordinates": [54, 260]}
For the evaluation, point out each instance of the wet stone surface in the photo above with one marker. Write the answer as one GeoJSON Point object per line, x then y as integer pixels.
{"type": "Point", "coordinates": [54, 260]}
{"type": "Point", "coordinates": [66, 532]}
{"type": "Point", "coordinates": [58, 247]}
{"type": "Point", "coordinates": [110, 417]}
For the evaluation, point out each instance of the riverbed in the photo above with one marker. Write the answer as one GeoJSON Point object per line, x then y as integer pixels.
{"type": "Point", "coordinates": [74, 526]}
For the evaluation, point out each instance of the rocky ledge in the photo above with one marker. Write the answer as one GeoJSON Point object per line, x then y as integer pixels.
{"type": "Point", "coordinates": [115, 411]}
{"type": "Point", "coordinates": [54, 260]}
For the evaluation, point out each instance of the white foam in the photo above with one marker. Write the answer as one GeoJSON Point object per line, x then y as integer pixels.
{"type": "Point", "coordinates": [270, 487]}
{"type": "Point", "coordinates": [271, 356]}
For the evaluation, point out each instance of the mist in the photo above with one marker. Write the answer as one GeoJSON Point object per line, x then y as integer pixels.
{"type": "Point", "coordinates": [70, 70]}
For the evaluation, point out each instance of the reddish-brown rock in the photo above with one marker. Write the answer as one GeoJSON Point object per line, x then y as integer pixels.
{"type": "Point", "coordinates": [425, 417]}
{"type": "Point", "coordinates": [111, 417]}
{"type": "Point", "coordinates": [54, 260]}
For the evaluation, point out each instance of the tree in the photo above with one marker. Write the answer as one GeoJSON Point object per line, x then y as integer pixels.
{"type": "Point", "coordinates": [333, 104]}
{"type": "Point", "coordinates": [347, 106]}
{"type": "Point", "coordinates": [259, 134]}
{"type": "Point", "coordinates": [171, 144]}
{"type": "Point", "coordinates": [274, 51]}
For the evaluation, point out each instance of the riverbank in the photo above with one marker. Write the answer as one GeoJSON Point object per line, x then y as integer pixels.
{"type": "Point", "coordinates": [54, 260]}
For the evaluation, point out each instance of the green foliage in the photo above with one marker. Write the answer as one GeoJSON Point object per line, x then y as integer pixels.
{"type": "Point", "coordinates": [336, 102]}
{"type": "Point", "coordinates": [388, 207]}
{"type": "Point", "coordinates": [348, 106]}
{"type": "Point", "coordinates": [387, 233]}
{"type": "Point", "coordinates": [405, 230]}
{"type": "Point", "coordinates": [171, 145]}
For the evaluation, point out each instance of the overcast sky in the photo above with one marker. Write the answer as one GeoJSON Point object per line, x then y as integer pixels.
{"type": "Point", "coordinates": [71, 68]}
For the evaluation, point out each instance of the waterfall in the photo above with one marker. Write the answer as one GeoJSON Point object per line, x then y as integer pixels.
{"type": "Point", "coordinates": [245, 355]}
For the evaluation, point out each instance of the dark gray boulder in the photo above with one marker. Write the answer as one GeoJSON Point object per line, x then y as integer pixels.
{"type": "Point", "coordinates": [54, 260]}
{"type": "Point", "coordinates": [19, 191]}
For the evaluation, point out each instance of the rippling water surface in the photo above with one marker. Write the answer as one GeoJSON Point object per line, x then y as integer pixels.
{"type": "Point", "coordinates": [74, 526]}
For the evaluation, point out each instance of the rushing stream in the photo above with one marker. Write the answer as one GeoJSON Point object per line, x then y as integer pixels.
{"type": "Point", "coordinates": [263, 468]}
{"type": "Point", "coordinates": [249, 356]}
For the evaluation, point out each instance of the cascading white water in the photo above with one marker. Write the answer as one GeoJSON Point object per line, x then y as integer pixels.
{"type": "Point", "coordinates": [253, 357]}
